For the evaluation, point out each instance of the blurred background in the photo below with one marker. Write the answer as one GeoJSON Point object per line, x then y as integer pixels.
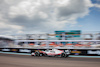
{"type": "Point", "coordinates": [9, 41]}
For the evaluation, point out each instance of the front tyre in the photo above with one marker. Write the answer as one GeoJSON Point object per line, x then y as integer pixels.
{"type": "Point", "coordinates": [67, 55]}
{"type": "Point", "coordinates": [63, 55]}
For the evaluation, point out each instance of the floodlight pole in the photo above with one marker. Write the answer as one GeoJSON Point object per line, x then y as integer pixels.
{"type": "Point", "coordinates": [47, 44]}
{"type": "Point", "coordinates": [63, 36]}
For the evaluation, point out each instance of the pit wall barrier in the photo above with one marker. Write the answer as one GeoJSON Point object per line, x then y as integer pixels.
{"type": "Point", "coordinates": [85, 52]}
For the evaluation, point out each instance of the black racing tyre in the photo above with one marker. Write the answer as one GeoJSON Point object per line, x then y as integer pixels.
{"type": "Point", "coordinates": [37, 54]}
{"type": "Point", "coordinates": [63, 55]}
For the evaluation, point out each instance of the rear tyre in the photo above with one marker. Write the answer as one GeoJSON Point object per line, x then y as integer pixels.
{"type": "Point", "coordinates": [37, 54]}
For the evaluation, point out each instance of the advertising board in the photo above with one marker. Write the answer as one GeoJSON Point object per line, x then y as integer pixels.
{"type": "Point", "coordinates": [24, 50]}
{"type": "Point", "coordinates": [96, 52]}
{"type": "Point", "coordinates": [87, 52]}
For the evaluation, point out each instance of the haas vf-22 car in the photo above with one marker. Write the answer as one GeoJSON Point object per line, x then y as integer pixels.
{"type": "Point", "coordinates": [53, 52]}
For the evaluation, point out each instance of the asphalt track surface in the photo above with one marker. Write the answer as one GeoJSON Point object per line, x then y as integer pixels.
{"type": "Point", "coordinates": [7, 60]}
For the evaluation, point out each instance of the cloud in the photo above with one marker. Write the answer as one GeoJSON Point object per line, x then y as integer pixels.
{"type": "Point", "coordinates": [31, 16]}
{"type": "Point", "coordinates": [97, 5]}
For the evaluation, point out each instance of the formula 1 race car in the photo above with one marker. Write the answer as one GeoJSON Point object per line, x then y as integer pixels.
{"type": "Point", "coordinates": [53, 52]}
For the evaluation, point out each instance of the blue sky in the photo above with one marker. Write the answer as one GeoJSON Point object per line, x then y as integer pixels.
{"type": "Point", "coordinates": [96, 1]}
{"type": "Point", "coordinates": [91, 22]}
